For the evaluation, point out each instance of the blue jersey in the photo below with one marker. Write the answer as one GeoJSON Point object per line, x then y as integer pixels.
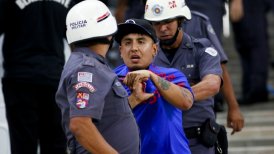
{"type": "Point", "coordinates": [160, 122]}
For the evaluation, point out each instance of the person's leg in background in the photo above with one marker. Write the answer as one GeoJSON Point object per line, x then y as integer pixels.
{"type": "Point", "coordinates": [21, 111]}
{"type": "Point", "coordinates": [34, 118]}
{"type": "Point", "coordinates": [251, 42]}
{"type": "Point", "coordinates": [52, 137]}
{"type": "Point", "coordinates": [271, 2]}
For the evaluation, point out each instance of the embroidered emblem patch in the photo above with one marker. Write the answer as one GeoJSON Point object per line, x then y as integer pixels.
{"type": "Point", "coordinates": [157, 10]}
{"type": "Point", "coordinates": [211, 51]}
{"type": "Point", "coordinates": [84, 85]}
{"type": "Point", "coordinates": [84, 77]}
{"type": "Point", "coordinates": [82, 100]}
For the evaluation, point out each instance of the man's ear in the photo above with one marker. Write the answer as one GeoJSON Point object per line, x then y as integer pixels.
{"type": "Point", "coordinates": [155, 49]}
{"type": "Point", "coordinates": [120, 51]}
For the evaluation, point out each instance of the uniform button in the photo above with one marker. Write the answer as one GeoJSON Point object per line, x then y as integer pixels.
{"type": "Point", "coordinates": [118, 84]}
{"type": "Point", "coordinates": [188, 45]}
{"type": "Point", "coordinates": [198, 130]}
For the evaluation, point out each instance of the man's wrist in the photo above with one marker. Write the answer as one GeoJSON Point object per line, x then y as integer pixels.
{"type": "Point", "coordinates": [132, 101]}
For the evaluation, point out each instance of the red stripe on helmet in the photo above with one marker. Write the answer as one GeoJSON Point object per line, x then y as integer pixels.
{"type": "Point", "coordinates": [104, 16]}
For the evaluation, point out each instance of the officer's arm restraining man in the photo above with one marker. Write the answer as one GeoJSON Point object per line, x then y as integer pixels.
{"type": "Point", "coordinates": [235, 119]}
{"type": "Point", "coordinates": [196, 58]}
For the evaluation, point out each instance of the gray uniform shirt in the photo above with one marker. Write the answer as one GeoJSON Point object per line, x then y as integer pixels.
{"type": "Point", "coordinates": [89, 88]}
{"type": "Point", "coordinates": [196, 59]}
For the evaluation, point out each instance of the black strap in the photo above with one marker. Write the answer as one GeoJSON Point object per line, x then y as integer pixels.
{"type": "Point", "coordinates": [192, 132]}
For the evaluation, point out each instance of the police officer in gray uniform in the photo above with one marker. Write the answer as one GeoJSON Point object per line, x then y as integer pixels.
{"type": "Point", "coordinates": [96, 116]}
{"type": "Point", "coordinates": [196, 58]}
{"type": "Point", "coordinates": [235, 119]}
{"type": "Point", "coordinates": [215, 10]}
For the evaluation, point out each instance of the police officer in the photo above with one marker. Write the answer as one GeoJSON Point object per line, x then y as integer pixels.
{"type": "Point", "coordinates": [195, 58]}
{"type": "Point", "coordinates": [95, 110]}
{"type": "Point", "coordinates": [215, 10]}
{"type": "Point", "coordinates": [235, 119]}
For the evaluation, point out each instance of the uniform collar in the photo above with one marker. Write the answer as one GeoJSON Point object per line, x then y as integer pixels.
{"type": "Point", "coordinates": [123, 69]}
{"type": "Point", "coordinates": [187, 43]}
{"type": "Point", "coordinates": [91, 53]}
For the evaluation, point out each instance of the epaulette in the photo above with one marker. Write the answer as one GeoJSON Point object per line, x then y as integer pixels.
{"type": "Point", "coordinates": [200, 15]}
{"type": "Point", "coordinates": [201, 42]}
{"type": "Point", "coordinates": [87, 61]}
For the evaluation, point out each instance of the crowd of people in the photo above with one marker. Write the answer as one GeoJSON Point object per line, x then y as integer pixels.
{"type": "Point", "coordinates": [161, 97]}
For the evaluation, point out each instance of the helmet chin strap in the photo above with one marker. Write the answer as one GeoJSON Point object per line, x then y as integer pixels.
{"type": "Point", "coordinates": [110, 43]}
{"type": "Point", "coordinates": [169, 42]}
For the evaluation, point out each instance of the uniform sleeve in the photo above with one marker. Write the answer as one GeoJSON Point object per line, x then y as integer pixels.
{"type": "Point", "coordinates": [87, 90]}
{"type": "Point", "coordinates": [126, 88]}
{"type": "Point", "coordinates": [200, 27]}
{"type": "Point", "coordinates": [209, 62]}
{"type": "Point", "coordinates": [210, 34]}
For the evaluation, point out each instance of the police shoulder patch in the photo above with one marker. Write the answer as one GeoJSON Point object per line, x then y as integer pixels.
{"type": "Point", "coordinates": [211, 51]}
{"type": "Point", "coordinates": [84, 77]}
{"type": "Point", "coordinates": [82, 100]}
{"type": "Point", "coordinates": [84, 85]}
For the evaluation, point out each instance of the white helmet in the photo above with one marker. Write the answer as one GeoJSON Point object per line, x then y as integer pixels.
{"type": "Point", "coordinates": [159, 10]}
{"type": "Point", "coordinates": [89, 19]}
